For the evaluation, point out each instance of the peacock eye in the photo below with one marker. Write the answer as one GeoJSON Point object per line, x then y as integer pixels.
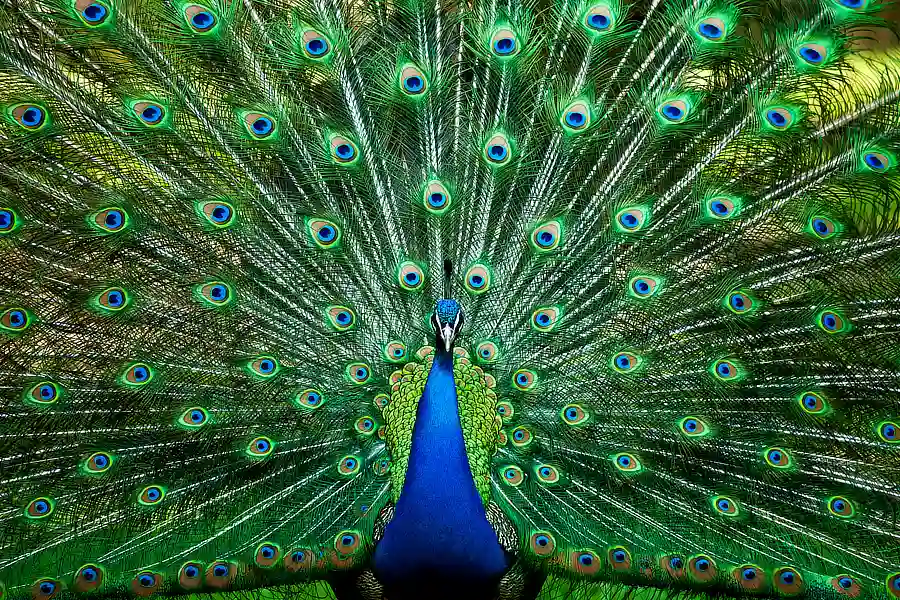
{"type": "Point", "coordinates": [200, 18]}
{"type": "Point", "coordinates": [812, 54]}
{"type": "Point", "coordinates": [110, 220]}
{"type": "Point", "coordinates": [214, 293]}
{"type": "Point", "coordinates": [542, 543]}
{"type": "Point", "coordinates": [260, 447]}
{"type": "Point", "coordinates": [93, 13]}
{"type": "Point", "coordinates": [152, 494]}
{"type": "Point", "coordinates": [412, 81]}
{"type": "Point", "coordinates": [263, 367]}
{"type": "Point", "coordinates": [504, 43]}
{"type": "Point", "coordinates": [137, 374]}
{"type": "Point", "coordinates": [29, 116]}
{"type": "Point", "coordinates": [358, 373]}
{"type": "Point", "coordinates": [712, 29]}
{"type": "Point", "coordinates": [149, 113]}
{"type": "Point", "coordinates": [315, 45]}
{"type": "Point", "coordinates": [674, 111]}
{"type": "Point", "coordinates": [347, 542]}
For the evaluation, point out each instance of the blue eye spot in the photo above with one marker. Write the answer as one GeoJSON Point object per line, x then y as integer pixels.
{"type": "Point", "coordinates": [326, 233]}
{"type": "Point", "coordinates": [628, 220]}
{"type": "Point", "coordinates": [497, 152]}
{"type": "Point", "coordinates": [710, 31]}
{"type": "Point", "coordinates": [32, 117]}
{"type": "Point", "coordinates": [723, 505]}
{"type": "Point", "coordinates": [845, 582]}
{"type": "Point", "coordinates": [151, 114]}
{"type": "Point", "coordinates": [672, 112]}
{"type": "Point", "coordinates": [599, 21]}
{"type": "Point", "coordinates": [719, 207]}
{"type": "Point", "coordinates": [266, 366]}
{"type": "Point", "coordinates": [571, 414]}
{"type": "Point", "coordinates": [94, 13]}
{"type": "Point", "coordinates": [313, 398]}
{"type": "Point", "coordinates": [41, 507]}
{"type": "Point", "coordinates": [47, 392]}
{"type": "Point", "coordinates": [575, 119]}
{"type": "Point", "coordinates": [820, 226]}
{"type": "Point", "coordinates": [298, 556]}
{"type": "Point", "coordinates": [476, 280]}
{"type": "Point", "coordinates": [262, 446]}
{"type": "Point", "coordinates": [361, 372]}
{"type": "Point", "coordinates": [153, 494]}
{"type": "Point", "coordinates": [811, 55]}
{"type": "Point", "coordinates": [114, 219]}
{"type": "Point", "coordinates": [219, 292]}
{"type": "Point", "coordinates": [624, 461]}
{"type": "Point", "coordinates": [316, 46]}
{"type": "Point", "coordinates": [140, 374]}
{"type": "Point", "coordinates": [724, 369]}
{"type": "Point", "coordinates": [787, 578]}
{"type": "Point", "coordinates": [776, 118]}
{"type": "Point", "coordinates": [889, 432]}
{"type": "Point", "coordinates": [347, 540]}
{"type": "Point", "coordinates": [642, 286]}
{"type": "Point", "coordinates": [676, 563]}
{"type": "Point", "coordinates": [504, 45]}
{"type": "Point", "coordinates": [343, 317]}
{"type": "Point", "coordinates": [702, 564]}
{"type": "Point", "coordinates": [203, 20]}
{"type": "Point", "coordinates": [7, 220]}
{"type": "Point", "coordinates": [89, 574]}
{"type": "Point", "coordinates": [690, 425]}
{"type": "Point", "coordinates": [412, 278]}
{"type": "Point", "coordinates": [522, 379]}
{"type": "Point", "coordinates": [519, 435]}
{"type": "Point", "coordinates": [619, 556]}
{"type": "Point", "coordinates": [221, 213]}
{"type": "Point", "coordinates": [436, 199]}
{"type": "Point", "coordinates": [545, 472]}
{"type": "Point", "coordinates": [101, 461]}
{"type": "Point", "coordinates": [267, 551]}
{"type": "Point", "coordinates": [542, 540]}
{"type": "Point", "coordinates": [344, 151]}
{"type": "Point", "coordinates": [146, 580]}
{"type": "Point", "coordinates": [115, 299]}
{"type": "Point", "coordinates": [220, 570]}
{"type": "Point", "coordinates": [263, 126]}
{"type": "Point", "coordinates": [47, 588]}
{"type": "Point", "coordinates": [413, 84]}
{"type": "Point", "coordinates": [874, 161]}
{"type": "Point", "coordinates": [545, 238]}
{"type": "Point", "coordinates": [191, 571]}
{"type": "Point", "coordinates": [749, 574]}
{"type": "Point", "coordinates": [586, 560]}
{"type": "Point", "coordinates": [197, 416]}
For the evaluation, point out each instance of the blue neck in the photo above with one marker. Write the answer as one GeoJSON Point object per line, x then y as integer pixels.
{"type": "Point", "coordinates": [439, 524]}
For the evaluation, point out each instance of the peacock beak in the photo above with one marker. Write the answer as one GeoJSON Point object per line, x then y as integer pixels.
{"type": "Point", "coordinates": [447, 335]}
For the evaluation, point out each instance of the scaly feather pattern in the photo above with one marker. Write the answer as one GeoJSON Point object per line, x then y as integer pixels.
{"type": "Point", "coordinates": [240, 239]}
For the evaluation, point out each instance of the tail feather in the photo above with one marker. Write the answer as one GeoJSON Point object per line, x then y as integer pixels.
{"type": "Point", "coordinates": [672, 226]}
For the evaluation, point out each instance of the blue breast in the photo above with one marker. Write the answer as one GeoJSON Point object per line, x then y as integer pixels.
{"type": "Point", "coordinates": [439, 530]}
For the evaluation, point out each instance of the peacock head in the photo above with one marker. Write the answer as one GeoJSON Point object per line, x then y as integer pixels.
{"type": "Point", "coordinates": [447, 321]}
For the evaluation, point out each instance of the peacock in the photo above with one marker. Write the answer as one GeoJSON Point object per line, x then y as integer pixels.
{"type": "Point", "coordinates": [444, 299]}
